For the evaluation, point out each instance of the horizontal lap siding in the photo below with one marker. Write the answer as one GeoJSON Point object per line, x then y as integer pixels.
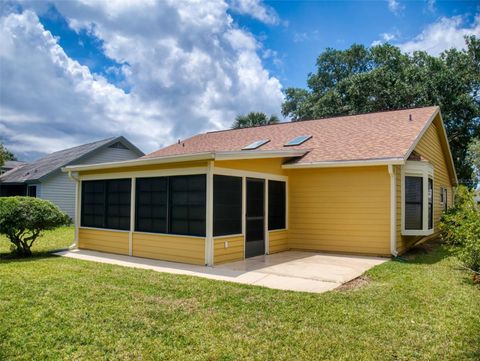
{"type": "Point", "coordinates": [340, 210]}
{"type": "Point", "coordinates": [271, 166]}
{"type": "Point", "coordinates": [278, 241]}
{"type": "Point", "coordinates": [429, 147]}
{"type": "Point", "coordinates": [234, 252]}
{"type": "Point", "coordinates": [103, 240]}
{"type": "Point", "coordinates": [169, 248]}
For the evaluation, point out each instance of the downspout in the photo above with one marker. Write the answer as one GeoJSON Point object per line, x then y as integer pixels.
{"type": "Point", "coordinates": [74, 245]}
{"type": "Point", "coordinates": [393, 211]}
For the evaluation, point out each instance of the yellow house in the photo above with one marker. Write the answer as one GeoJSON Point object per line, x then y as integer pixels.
{"type": "Point", "coordinates": [364, 184]}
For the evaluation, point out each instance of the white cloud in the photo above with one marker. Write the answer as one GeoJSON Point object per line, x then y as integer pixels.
{"type": "Point", "coordinates": [256, 9]}
{"type": "Point", "coordinates": [385, 38]}
{"type": "Point", "coordinates": [189, 70]}
{"type": "Point", "coordinates": [445, 34]}
{"type": "Point", "coordinates": [431, 4]}
{"type": "Point", "coordinates": [394, 6]}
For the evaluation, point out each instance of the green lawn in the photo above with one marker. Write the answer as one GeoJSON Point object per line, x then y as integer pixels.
{"type": "Point", "coordinates": [58, 308]}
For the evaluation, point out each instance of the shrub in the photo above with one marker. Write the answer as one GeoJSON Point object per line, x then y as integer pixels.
{"type": "Point", "coordinates": [22, 219]}
{"type": "Point", "coordinates": [460, 228]}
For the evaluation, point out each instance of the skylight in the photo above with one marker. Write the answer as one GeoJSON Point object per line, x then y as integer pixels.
{"type": "Point", "coordinates": [298, 140]}
{"type": "Point", "coordinates": [256, 144]}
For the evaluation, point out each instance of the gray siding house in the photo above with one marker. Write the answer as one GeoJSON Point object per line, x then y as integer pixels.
{"type": "Point", "coordinates": [45, 179]}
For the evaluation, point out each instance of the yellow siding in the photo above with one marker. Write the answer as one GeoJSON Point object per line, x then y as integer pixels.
{"type": "Point", "coordinates": [430, 148]}
{"type": "Point", "coordinates": [278, 241]}
{"type": "Point", "coordinates": [169, 247]}
{"type": "Point", "coordinates": [103, 240]}
{"type": "Point", "coordinates": [234, 252]}
{"type": "Point", "coordinates": [141, 168]}
{"type": "Point", "coordinates": [340, 210]}
{"type": "Point", "coordinates": [272, 166]}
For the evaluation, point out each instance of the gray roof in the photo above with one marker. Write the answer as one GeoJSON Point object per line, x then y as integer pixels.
{"type": "Point", "coordinates": [44, 166]}
{"type": "Point", "coordinates": [10, 164]}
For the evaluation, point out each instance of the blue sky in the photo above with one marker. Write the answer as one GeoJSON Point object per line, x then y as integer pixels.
{"type": "Point", "coordinates": [78, 71]}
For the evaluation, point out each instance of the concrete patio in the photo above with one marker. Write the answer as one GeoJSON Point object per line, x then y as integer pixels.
{"type": "Point", "coordinates": [291, 270]}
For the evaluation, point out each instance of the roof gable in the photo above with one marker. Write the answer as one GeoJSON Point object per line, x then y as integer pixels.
{"type": "Point", "coordinates": [47, 165]}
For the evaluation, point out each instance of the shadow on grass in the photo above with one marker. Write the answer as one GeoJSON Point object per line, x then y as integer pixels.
{"type": "Point", "coordinates": [14, 257]}
{"type": "Point", "coordinates": [426, 253]}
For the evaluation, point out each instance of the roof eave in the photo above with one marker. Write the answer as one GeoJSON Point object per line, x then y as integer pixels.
{"type": "Point", "coordinates": [346, 163]}
{"type": "Point", "coordinates": [236, 155]}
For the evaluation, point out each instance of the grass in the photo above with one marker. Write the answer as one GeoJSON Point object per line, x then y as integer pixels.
{"type": "Point", "coordinates": [59, 308]}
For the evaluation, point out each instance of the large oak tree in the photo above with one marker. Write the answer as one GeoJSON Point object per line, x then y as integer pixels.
{"type": "Point", "coordinates": [361, 79]}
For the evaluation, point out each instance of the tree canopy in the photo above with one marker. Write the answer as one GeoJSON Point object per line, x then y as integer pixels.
{"type": "Point", "coordinates": [5, 155]}
{"type": "Point", "coordinates": [254, 119]}
{"type": "Point", "coordinates": [361, 80]}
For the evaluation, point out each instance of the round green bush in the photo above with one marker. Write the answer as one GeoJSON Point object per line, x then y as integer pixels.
{"type": "Point", "coordinates": [22, 219]}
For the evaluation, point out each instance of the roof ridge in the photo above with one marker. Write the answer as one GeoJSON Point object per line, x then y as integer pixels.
{"type": "Point", "coordinates": [324, 118]}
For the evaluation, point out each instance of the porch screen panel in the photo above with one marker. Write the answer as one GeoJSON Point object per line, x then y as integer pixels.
{"type": "Point", "coordinates": [227, 205]}
{"type": "Point", "coordinates": [93, 204]}
{"type": "Point", "coordinates": [118, 203]}
{"type": "Point", "coordinates": [413, 202]}
{"type": "Point", "coordinates": [187, 205]}
{"type": "Point", "coordinates": [151, 204]}
{"type": "Point", "coordinates": [276, 205]}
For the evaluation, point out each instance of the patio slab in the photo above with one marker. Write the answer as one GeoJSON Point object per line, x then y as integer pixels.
{"type": "Point", "coordinates": [290, 270]}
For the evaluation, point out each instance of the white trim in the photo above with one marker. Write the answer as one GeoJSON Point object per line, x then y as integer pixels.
{"type": "Point", "coordinates": [105, 229]}
{"type": "Point", "coordinates": [424, 170]}
{"type": "Point", "coordinates": [265, 218]}
{"type": "Point", "coordinates": [228, 236]}
{"type": "Point", "coordinates": [209, 249]}
{"type": "Point", "coordinates": [249, 174]}
{"type": "Point", "coordinates": [393, 210]}
{"type": "Point", "coordinates": [346, 163]}
{"type": "Point", "coordinates": [227, 155]}
{"type": "Point", "coordinates": [147, 173]}
{"type": "Point", "coordinates": [170, 235]}
{"type": "Point", "coordinates": [132, 215]}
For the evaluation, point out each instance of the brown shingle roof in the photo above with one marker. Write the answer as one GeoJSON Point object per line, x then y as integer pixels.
{"type": "Point", "coordinates": [345, 138]}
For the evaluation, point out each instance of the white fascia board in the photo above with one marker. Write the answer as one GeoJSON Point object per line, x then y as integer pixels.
{"type": "Point", "coordinates": [346, 163]}
{"type": "Point", "coordinates": [141, 161]}
{"type": "Point", "coordinates": [188, 158]}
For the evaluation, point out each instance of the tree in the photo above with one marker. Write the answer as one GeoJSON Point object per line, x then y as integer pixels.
{"type": "Point", "coordinates": [5, 155]}
{"type": "Point", "coordinates": [22, 219]}
{"type": "Point", "coordinates": [473, 156]}
{"type": "Point", "coordinates": [361, 80]}
{"type": "Point", "coordinates": [254, 119]}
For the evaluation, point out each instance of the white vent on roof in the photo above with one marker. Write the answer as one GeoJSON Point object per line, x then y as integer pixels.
{"type": "Point", "coordinates": [256, 144]}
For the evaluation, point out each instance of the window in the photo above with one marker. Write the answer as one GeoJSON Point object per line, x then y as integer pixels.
{"type": "Point", "coordinates": [151, 204]}
{"type": "Point", "coordinates": [227, 205]}
{"type": "Point", "coordinates": [32, 191]}
{"type": "Point", "coordinates": [256, 144]}
{"type": "Point", "coordinates": [444, 198]}
{"type": "Point", "coordinates": [106, 204]}
{"type": "Point", "coordinates": [417, 199]}
{"type": "Point", "coordinates": [298, 140]}
{"type": "Point", "coordinates": [276, 205]}
{"type": "Point", "coordinates": [188, 205]}
{"type": "Point", "coordinates": [413, 202]}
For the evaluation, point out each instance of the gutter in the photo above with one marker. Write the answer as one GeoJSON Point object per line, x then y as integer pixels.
{"type": "Point", "coordinates": [346, 163]}
{"type": "Point", "coordinates": [74, 245]}
{"type": "Point", "coordinates": [393, 211]}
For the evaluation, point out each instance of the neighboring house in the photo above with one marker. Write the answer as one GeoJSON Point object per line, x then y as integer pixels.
{"type": "Point", "coordinates": [44, 178]}
{"type": "Point", "coordinates": [9, 165]}
{"type": "Point", "coordinates": [363, 184]}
